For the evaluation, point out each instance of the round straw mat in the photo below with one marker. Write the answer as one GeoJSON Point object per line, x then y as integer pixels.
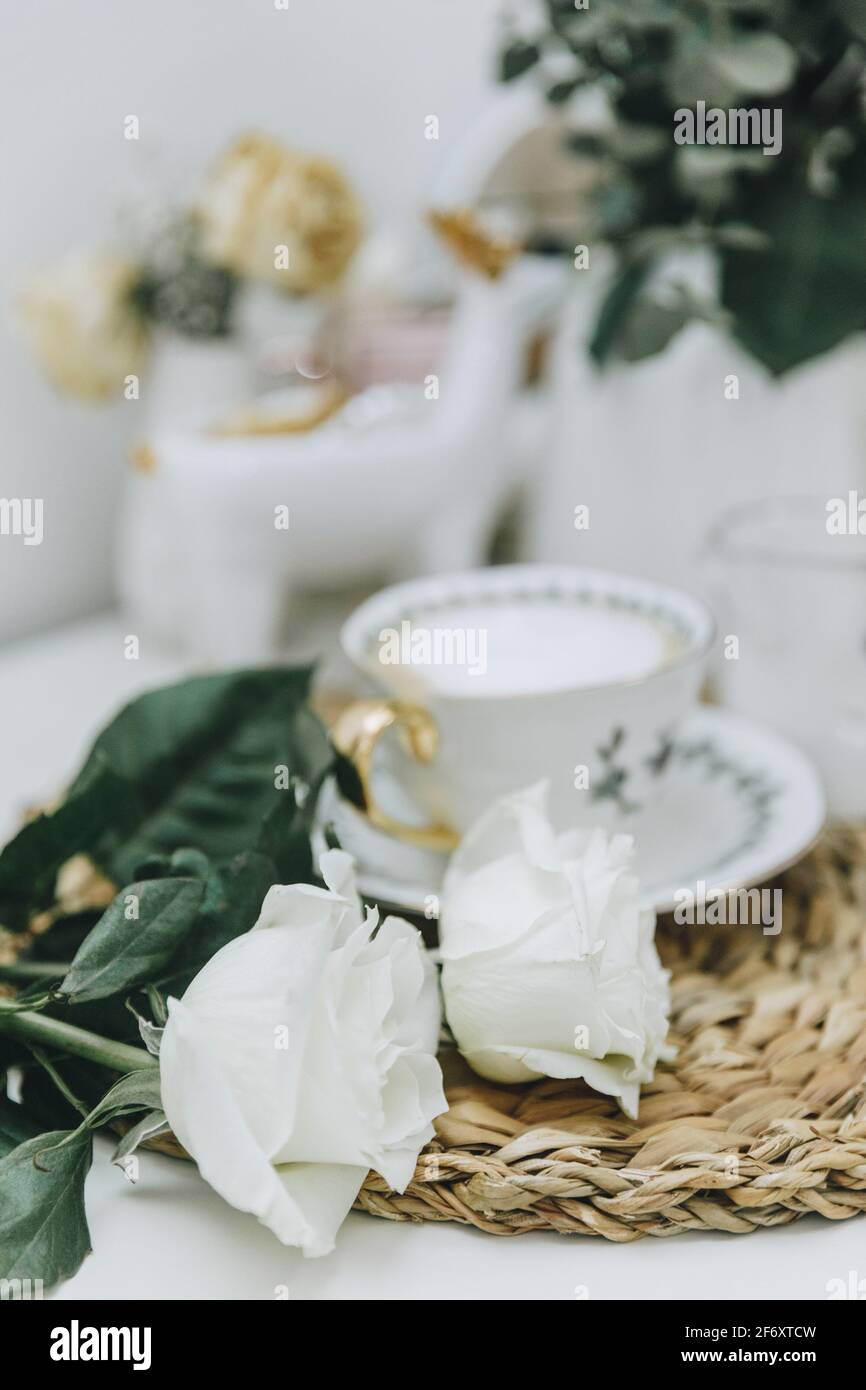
{"type": "Point", "coordinates": [760, 1119]}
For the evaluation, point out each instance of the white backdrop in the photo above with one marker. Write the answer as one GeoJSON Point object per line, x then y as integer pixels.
{"type": "Point", "coordinates": [351, 78]}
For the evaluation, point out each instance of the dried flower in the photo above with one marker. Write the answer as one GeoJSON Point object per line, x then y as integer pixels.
{"type": "Point", "coordinates": [83, 324]}
{"type": "Point", "coordinates": [271, 214]}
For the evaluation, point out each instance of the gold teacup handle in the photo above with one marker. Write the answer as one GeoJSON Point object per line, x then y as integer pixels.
{"type": "Point", "coordinates": [355, 735]}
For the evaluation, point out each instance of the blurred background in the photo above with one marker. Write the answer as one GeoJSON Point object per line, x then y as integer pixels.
{"type": "Point", "coordinates": [299, 299]}
{"type": "Point", "coordinates": [348, 81]}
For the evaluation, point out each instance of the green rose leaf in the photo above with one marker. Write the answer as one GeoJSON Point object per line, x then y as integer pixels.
{"type": "Point", "coordinates": [232, 902]}
{"type": "Point", "coordinates": [137, 1091]}
{"type": "Point", "coordinates": [123, 950]}
{"type": "Point", "coordinates": [233, 892]}
{"type": "Point", "coordinates": [148, 1127]}
{"type": "Point", "coordinates": [199, 762]}
{"type": "Point", "coordinates": [284, 834]}
{"type": "Point", "coordinates": [194, 764]}
{"type": "Point", "coordinates": [43, 1228]}
{"type": "Point", "coordinates": [29, 863]}
{"type": "Point", "coordinates": [46, 1106]}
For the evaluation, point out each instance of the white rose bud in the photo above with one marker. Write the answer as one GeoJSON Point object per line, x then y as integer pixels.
{"type": "Point", "coordinates": [549, 965]}
{"type": "Point", "coordinates": [304, 1054]}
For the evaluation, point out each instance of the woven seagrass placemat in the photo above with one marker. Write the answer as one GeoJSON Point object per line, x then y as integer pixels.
{"type": "Point", "coordinates": [761, 1118]}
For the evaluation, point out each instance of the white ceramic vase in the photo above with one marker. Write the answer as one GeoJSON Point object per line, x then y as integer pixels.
{"type": "Point", "coordinates": [658, 450]}
{"type": "Point", "coordinates": [190, 381]}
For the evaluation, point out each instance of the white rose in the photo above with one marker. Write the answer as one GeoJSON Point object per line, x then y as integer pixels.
{"type": "Point", "coordinates": [549, 966]}
{"type": "Point", "coordinates": [82, 324]}
{"type": "Point", "coordinates": [302, 1055]}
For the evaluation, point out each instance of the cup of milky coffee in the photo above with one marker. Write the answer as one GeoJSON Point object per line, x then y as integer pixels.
{"type": "Point", "coordinates": [484, 682]}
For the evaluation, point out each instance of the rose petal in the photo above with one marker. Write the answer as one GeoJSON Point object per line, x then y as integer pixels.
{"type": "Point", "coordinates": [323, 1193]}
{"type": "Point", "coordinates": [289, 1132]}
{"type": "Point", "coordinates": [254, 1000]}
{"type": "Point", "coordinates": [304, 1207]}
{"type": "Point", "coordinates": [338, 870]}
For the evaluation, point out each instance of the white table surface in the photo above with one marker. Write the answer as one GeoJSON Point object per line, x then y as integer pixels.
{"type": "Point", "coordinates": [169, 1236]}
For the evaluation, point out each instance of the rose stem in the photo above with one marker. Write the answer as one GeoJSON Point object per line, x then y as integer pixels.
{"type": "Point", "coordinates": [53, 1032]}
{"type": "Point", "coordinates": [34, 970]}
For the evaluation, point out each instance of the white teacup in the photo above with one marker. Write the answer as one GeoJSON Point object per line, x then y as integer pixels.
{"type": "Point", "coordinates": [498, 677]}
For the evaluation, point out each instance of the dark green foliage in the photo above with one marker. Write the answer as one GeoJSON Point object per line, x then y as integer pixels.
{"type": "Point", "coordinates": [795, 288]}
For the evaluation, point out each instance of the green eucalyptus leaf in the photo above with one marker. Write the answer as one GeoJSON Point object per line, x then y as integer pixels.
{"type": "Point", "coordinates": [697, 163]}
{"type": "Point", "coordinates": [615, 307]}
{"type": "Point", "coordinates": [853, 13]}
{"type": "Point", "coordinates": [561, 91]}
{"type": "Point", "coordinates": [692, 76]}
{"type": "Point", "coordinates": [708, 173]}
{"type": "Point", "coordinates": [617, 207]}
{"type": "Point", "coordinates": [806, 291]}
{"type": "Point", "coordinates": [518, 58]}
{"type": "Point", "coordinates": [740, 236]}
{"type": "Point", "coordinates": [649, 327]}
{"type": "Point", "coordinates": [802, 293]}
{"type": "Point", "coordinates": [43, 1227]}
{"type": "Point", "coordinates": [758, 65]}
{"type": "Point", "coordinates": [634, 143]}
{"type": "Point", "coordinates": [121, 951]}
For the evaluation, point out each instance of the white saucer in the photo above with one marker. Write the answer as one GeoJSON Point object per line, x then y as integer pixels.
{"type": "Point", "coordinates": [740, 804]}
